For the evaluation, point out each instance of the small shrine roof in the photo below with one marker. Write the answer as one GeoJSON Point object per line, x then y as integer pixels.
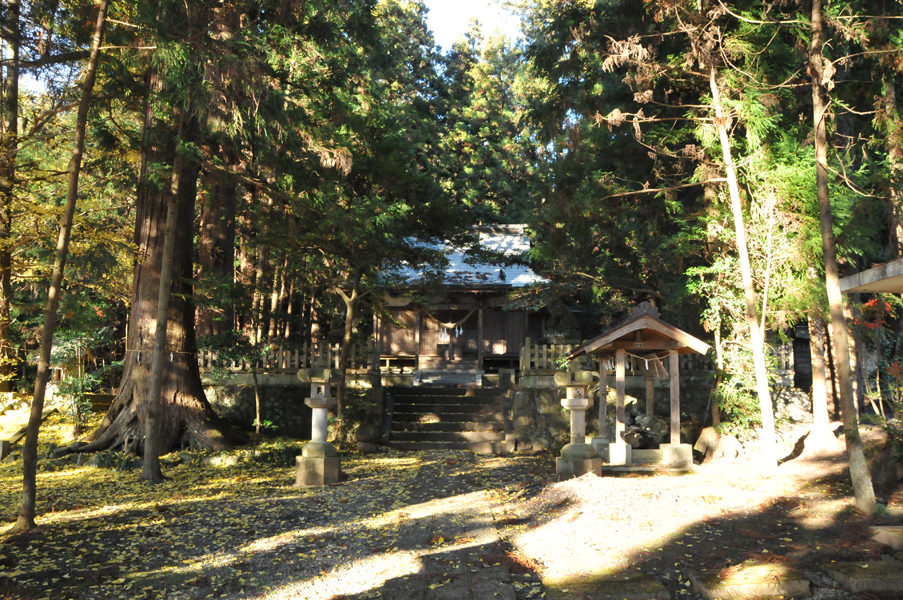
{"type": "Point", "coordinates": [642, 332]}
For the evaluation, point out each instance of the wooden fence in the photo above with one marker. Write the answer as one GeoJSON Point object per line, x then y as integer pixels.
{"type": "Point", "coordinates": [282, 360]}
{"type": "Point", "coordinates": [551, 357]}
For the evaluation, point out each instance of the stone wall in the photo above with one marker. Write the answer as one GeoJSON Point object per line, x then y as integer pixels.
{"type": "Point", "coordinates": [281, 404]}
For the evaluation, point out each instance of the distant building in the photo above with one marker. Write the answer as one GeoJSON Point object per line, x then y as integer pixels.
{"type": "Point", "coordinates": [469, 328]}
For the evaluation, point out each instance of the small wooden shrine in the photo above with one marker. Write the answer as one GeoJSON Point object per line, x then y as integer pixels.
{"type": "Point", "coordinates": [645, 337]}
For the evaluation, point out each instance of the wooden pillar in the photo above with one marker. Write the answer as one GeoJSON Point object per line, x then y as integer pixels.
{"type": "Point", "coordinates": [417, 339]}
{"type": "Point", "coordinates": [376, 350]}
{"type": "Point", "coordinates": [650, 396]}
{"type": "Point", "coordinates": [480, 337]}
{"type": "Point", "coordinates": [620, 388]}
{"type": "Point", "coordinates": [603, 398]}
{"type": "Point", "coordinates": [675, 397]}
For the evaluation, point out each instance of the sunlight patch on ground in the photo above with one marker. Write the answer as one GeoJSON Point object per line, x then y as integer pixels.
{"type": "Point", "coordinates": [370, 573]}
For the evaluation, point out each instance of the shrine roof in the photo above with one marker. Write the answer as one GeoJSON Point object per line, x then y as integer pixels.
{"type": "Point", "coordinates": [642, 331]}
{"type": "Point", "coordinates": [466, 271]}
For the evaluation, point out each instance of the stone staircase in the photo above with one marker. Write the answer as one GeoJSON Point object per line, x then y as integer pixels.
{"type": "Point", "coordinates": [447, 418]}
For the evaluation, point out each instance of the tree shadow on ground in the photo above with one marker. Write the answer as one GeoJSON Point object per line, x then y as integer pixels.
{"type": "Point", "coordinates": [400, 526]}
{"type": "Point", "coordinates": [222, 532]}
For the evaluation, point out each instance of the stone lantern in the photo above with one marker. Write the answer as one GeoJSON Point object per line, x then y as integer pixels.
{"type": "Point", "coordinates": [319, 462]}
{"type": "Point", "coordinates": [578, 457]}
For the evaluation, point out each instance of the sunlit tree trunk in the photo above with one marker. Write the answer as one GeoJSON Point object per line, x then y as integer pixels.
{"type": "Point", "coordinates": [27, 510]}
{"type": "Point", "coordinates": [859, 473]}
{"type": "Point", "coordinates": [757, 344]}
{"type": "Point", "coordinates": [351, 298]}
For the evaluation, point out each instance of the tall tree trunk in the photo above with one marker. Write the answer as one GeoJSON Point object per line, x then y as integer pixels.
{"type": "Point", "coordinates": [150, 470]}
{"type": "Point", "coordinates": [9, 148]}
{"type": "Point", "coordinates": [757, 344]}
{"type": "Point", "coordinates": [275, 294]}
{"type": "Point", "coordinates": [821, 439]}
{"type": "Point", "coordinates": [351, 299]}
{"type": "Point", "coordinates": [27, 510]}
{"type": "Point", "coordinates": [859, 473]}
{"type": "Point", "coordinates": [186, 417]}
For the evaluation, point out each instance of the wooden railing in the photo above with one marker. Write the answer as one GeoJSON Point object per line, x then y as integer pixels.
{"type": "Point", "coordinates": [282, 360]}
{"type": "Point", "coordinates": [551, 357]}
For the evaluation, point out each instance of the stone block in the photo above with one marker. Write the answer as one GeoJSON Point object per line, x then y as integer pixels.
{"type": "Point", "coordinates": [600, 445]}
{"type": "Point", "coordinates": [575, 467]}
{"type": "Point", "coordinates": [677, 455]}
{"type": "Point", "coordinates": [871, 577]}
{"type": "Point", "coordinates": [889, 535]}
{"type": "Point", "coordinates": [750, 580]}
{"type": "Point", "coordinates": [619, 453]}
{"type": "Point", "coordinates": [645, 457]}
{"type": "Point", "coordinates": [312, 471]}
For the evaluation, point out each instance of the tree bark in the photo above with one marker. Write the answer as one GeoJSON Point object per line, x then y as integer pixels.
{"type": "Point", "coordinates": [757, 344]}
{"type": "Point", "coordinates": [9, 147]}
{"type": "Point", "coordinates": [861, 479]}
{"type": "Point", "coordinates": [821, 439]}
{"type": "Point", "coordinates": [150, 470]}
{"type": "Point", "coordinates": [350, 299]}
{"type": "Point", "coordinates": [186, 418]}
{"type": "Point", "coordinates": [27, 510]}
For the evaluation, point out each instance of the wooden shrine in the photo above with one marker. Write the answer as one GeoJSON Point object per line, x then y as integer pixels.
{"type": "Point", "coordinates": [646, 337]}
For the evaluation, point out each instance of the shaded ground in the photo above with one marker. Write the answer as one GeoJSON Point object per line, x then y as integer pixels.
{"type": "Point", "coordinates": [428, 525]}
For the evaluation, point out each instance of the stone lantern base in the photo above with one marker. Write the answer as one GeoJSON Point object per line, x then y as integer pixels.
{"type": "Point", "coordinates": [677, 456]}
{"type": "Point", "coordinates": [318, 464]}
{"type": "Point", "coordinates": [577, 460]}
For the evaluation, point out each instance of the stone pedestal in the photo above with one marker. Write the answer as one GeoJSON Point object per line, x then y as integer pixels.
{"type": "Point", "coordinates": [577, 459]}
{"type": "Point", "coordinates": [677, 456]}
{"type": "Point", "coordinates": [318, 464]}
{"type": "Point", "coordinates": [619, 453]}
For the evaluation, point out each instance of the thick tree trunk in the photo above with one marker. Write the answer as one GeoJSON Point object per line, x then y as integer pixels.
{"type": "Point", "coordinates": [859, 473]}
{"type": "Point", "coordinates": [9, 147]}
{"type": "Point", "coordinates": [27, 510]}
{"type": "Point", "coordinates": [186, 418]}
{"type": "Point", "coordinates": [150, 470]}
{"type": "Point", "coordinates": [757, 344]}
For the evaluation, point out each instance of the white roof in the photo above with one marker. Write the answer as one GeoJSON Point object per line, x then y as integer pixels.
{"type": "Point", "coordinates": [508, 240]}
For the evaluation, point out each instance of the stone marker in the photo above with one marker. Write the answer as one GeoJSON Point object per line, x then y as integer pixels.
{"type": "Point", "coordinates": [319, 463]}
{"type": "Point", "coordinates": [750, 580]}
{"type": "Point", "coordinates": [578, 457]}
{"type": "Point", "coordinates": [872, 576]}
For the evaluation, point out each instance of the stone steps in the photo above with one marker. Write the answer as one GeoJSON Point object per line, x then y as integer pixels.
{"type": "Point", "coordinates": [487, 425]}
{"type": "Point", "coordinates": [445, 418]}
{"type": "Point", "coordinates": [448, 436]}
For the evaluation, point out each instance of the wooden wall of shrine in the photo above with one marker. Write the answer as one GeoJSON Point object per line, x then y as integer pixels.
{"type": "Point", "coordinates": [457, 333]}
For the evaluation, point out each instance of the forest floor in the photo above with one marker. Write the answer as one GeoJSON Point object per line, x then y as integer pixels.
{"type": "Point", "coordinates": [418, 526]}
